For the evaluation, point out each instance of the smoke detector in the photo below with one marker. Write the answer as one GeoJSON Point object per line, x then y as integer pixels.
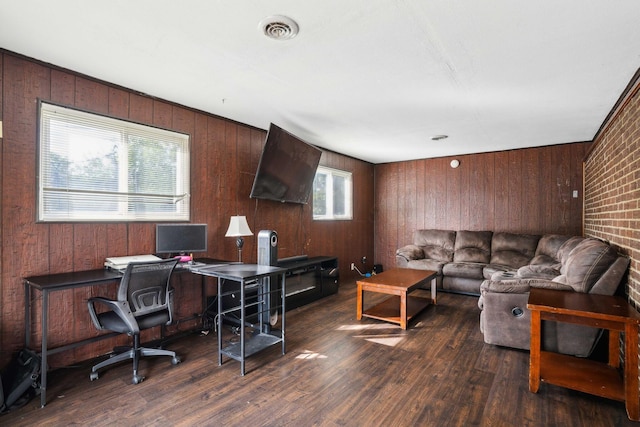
{"type": "Point", "coordinates": [279, 27]}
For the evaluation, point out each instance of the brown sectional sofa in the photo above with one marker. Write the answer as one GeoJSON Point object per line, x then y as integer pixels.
{"type": "Point", "coordinates": [501, 267]}
{"type": "Point", "coordinates": [464, 259]}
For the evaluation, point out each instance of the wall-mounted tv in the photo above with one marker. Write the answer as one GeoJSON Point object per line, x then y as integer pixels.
{"type": "Point", "coordinates": [286, 169]}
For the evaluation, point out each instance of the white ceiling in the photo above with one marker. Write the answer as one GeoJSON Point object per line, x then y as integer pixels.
{"type": "Point", "coordinates": [373, 79]}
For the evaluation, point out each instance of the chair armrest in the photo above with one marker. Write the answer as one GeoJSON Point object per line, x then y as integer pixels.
{"type": "Point", "coordinates": [170, 296]}
{"type": "Point", "coordinates": [120, 308]}
{"type": "Point", "coordinates": [410, 252]}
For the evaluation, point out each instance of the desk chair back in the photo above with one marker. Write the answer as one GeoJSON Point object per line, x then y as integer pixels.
{"type": "Point", "coordinates": [145, 286]}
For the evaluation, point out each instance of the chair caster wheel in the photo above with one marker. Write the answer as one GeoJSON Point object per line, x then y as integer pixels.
{"type": "Point", "coordinates": [175, 360]}
{"type": "Point", "coordinates": [137, 379]}
{"type": "Point", "coordinates": [93, 376]}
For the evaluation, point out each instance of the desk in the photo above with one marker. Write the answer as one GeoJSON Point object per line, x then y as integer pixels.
{"type": "Point", "coordinates": [249, 275]}
{"type": "Point", "coordinates": [57, 282]}
{"type": "Point", "coordinates": [601, 379]}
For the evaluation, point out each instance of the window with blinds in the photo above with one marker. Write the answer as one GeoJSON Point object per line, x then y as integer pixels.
{"type": "Point", "coordinates": [97, 168]}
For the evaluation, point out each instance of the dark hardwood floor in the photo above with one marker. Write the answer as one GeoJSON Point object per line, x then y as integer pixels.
{"type": "Point", "coordinates": [337, 372]}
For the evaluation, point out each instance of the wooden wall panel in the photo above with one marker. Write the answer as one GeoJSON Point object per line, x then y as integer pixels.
{"type": "Point", "coordinates": [527, 191]}
{"type": "Point", "coordinates": [501, 186]}
{"type": "Point", "coordinates": [2, 315]}
{"type": "Point", "coordinates": [24, 243]}
{"type": "Point", "coordinates": [576, 205]}
{"type": "Point", "coordinates": [515, 195]}
{"type": "Point", "coordinates": [532, 187]}
{"type": "Point", "coordinates": [421, 188]}
{"type": "Point", "coordinates": [225, 156]}
{"type": "Point", "coordinates": [452, 198]}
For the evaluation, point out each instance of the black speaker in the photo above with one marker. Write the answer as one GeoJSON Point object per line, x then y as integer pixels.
{"type": "Point", "coordinates": [268, 248]}
{"type": "Point", "coordinates": [268, 255]}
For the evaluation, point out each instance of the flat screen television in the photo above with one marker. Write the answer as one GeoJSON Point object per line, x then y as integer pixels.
{"type": "Point", "coordinates": [181, 239]}
{"type": "Point", "coordinates": [287, 168]}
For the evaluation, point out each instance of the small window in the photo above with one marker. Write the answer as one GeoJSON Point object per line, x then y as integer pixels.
{"type": "Point", "coordinates": [332, 194]}
{"type": "Point", "coordinates": [96, 168]}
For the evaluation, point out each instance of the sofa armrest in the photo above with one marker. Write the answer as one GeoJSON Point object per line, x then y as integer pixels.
{"type": "Point", "coordinates": [520, 286]}
{"type": "Point", "coordinates": [610, 280]}
{"type": "Point", "coordinates": [505, 319]}
{"type": "Point", "coordinates": [410, 252]}
{"type": "Point", "coordinates": [505, 286]}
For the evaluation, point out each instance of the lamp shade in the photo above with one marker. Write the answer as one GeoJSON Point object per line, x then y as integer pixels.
{"type": "Point", "coordinates": [238, 227]}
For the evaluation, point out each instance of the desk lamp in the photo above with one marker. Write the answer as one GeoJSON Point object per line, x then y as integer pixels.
{"type": "Point", "coordinates": [238, 227]}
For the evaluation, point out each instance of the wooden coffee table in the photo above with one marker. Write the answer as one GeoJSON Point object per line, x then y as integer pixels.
{"type": "Point", "coordinates": [401, 307]}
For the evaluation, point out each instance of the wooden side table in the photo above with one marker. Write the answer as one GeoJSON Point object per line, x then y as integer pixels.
{"type": "Point", "coordinates": [601, 379]}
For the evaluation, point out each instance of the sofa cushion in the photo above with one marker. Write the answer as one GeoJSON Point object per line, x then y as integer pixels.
{"type": "Point", "coordinates": [498, 275]}
{"type": "Point", "coordinates": [426, 264]}
{"type": "Point", "coordinates": [547, 249]}
{"type": "Point", "coordinates": [468, 270]}
{"type": "Point", "coordinates": [587, 262]}
{"type": "Point", "coordinates": [436, 244]}
{"type": "Point", "coordinates": [541, 271]}
{"type": "Point", "coordinates": [473, 246]}
{"type": "Point", "coordinates": [410, 252]}
{"type": "Point", "coordinates": [565, 250]}
{"type": "Point", "coordinates": [491, 270]}
{"type": "Point", "coordinates": [513, 250]}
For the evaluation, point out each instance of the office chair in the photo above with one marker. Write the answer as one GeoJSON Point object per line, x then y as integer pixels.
{"type": "Point", "coordinates": [145, 300]}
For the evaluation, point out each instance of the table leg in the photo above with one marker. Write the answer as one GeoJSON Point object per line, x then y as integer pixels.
{"type": "Point", "coordinates": [614, 348]}
{"type": "Point", "coordinates": [27, 314]}
{"type": "Point", "coordinates": [242, 325]}
{"type": "Point", "coordinates": [43, 355]}
{"type": "Point", "coordinates": [534, 353]}
{"type": "Point", "coordinates": [219, 326]}
{"type": "Point", "coordinates": [359, 301]}
{"type": "Point", "coordinates": [203, 289]}
{"type": "Point", "coordinates": [403, 310]}
{"type": "Point", "coordinates": [433, 291]}
{"type": "Point", "coordinates": [284, 310]}
{"type": "Point", "coordinates": [631, 371]}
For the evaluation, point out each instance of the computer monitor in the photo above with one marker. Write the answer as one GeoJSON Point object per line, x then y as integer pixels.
{"type": "Point", "coordinates": [181, 239]}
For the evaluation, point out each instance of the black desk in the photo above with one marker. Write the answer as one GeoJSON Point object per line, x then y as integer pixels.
{"type": "Point", "coordinates": [57, 282]}
{"type": "Point", "coordinates": [249, 275]}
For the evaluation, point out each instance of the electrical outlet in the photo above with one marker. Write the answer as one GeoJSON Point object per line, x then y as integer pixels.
{"type": "Point", "coordinates": [353, 266]}
{"type": "Point", "coordinates": [364, 260]}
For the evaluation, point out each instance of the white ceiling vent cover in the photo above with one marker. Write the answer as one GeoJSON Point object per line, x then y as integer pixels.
{"type": "Point", "coordinates": [279, 27]}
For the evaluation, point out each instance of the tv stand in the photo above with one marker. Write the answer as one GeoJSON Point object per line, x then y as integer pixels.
{"type": "Point", "coordinates": [309, 279]}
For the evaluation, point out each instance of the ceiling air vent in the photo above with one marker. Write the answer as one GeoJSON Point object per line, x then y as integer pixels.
{"type": "Point", "coordinates": [279, 27]}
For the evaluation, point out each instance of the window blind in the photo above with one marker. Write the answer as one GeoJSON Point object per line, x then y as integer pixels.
{"type": "Point", "coordinates": [97, 168]}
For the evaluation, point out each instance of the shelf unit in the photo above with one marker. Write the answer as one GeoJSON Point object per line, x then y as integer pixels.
{"type": "Point", "coordinates": [264, 294]}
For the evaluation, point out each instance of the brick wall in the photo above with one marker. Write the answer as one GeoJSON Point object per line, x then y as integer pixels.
{"type": "Point", "coordinates": [612, 185]}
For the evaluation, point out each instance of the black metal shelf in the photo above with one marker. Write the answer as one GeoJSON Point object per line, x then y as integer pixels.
{"type": "Point", "coordinates": [253, 345]}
